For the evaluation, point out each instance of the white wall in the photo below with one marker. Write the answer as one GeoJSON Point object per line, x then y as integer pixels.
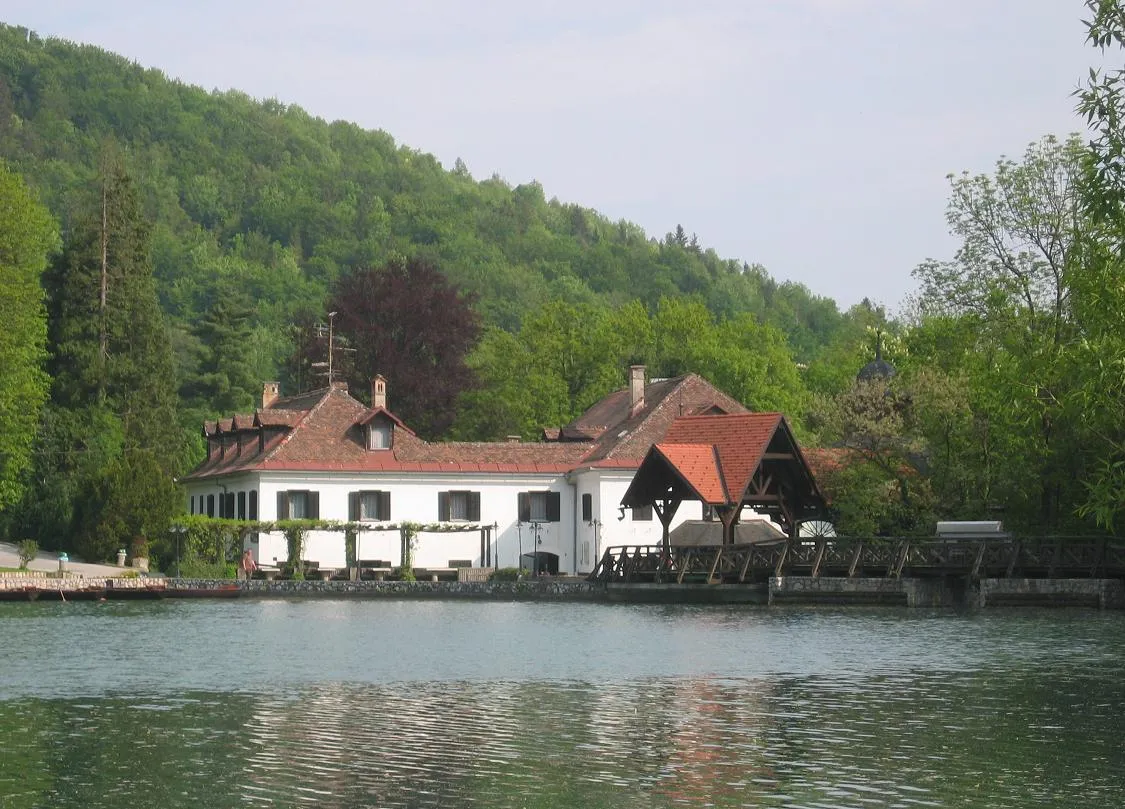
{"type": "Point", "coordinates": [414, 497]}
{"type": "Point", "coordinates": [607, 487]}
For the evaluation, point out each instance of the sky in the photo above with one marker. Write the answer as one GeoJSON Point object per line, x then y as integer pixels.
{"type": "Point", "coordinates": [813, 137]}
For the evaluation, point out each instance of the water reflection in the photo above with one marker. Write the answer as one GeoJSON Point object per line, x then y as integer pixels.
{"type": "Point", "coordinates": [889, 710]}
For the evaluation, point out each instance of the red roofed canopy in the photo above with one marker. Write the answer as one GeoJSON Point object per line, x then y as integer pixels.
{"type": "Point", "coordinates": [728, 462]}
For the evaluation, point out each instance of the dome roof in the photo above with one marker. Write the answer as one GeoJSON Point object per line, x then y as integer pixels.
{"type": "Point", "coordinates": [878, 368]}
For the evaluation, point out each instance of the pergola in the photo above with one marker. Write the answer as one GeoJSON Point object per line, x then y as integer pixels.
{"type": "Point", "coordinates": [728, 462]}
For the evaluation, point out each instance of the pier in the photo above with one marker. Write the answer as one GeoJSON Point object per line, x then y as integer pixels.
{"type": "Point", "coordinates": [914, 572]}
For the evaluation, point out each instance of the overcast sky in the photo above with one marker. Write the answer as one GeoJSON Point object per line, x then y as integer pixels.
{"type": "Point", "coordinates": [811, 136]}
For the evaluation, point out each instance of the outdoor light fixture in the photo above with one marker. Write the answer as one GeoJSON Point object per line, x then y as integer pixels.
{"type": "Point", "coordinates": [620, 513]}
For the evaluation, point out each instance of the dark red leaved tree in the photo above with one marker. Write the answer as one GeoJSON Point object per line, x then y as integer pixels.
{"type": "Point", "coordinates": [406, 322]}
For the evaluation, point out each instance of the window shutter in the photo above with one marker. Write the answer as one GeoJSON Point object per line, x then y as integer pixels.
{"type": "Point", "coordinates": [283, 505]}
{"type": "Point", "coordinates": [193, 504]}
{"type": "Point", "coordinates": [554, 507]}
{"type": "Point", "coordinates": [353, 506]}
{"type": "Point", "coordinates": [524, 502]}
{"type": "Point", "coordinates": [474, 506]}
{"type": "Point", "coordinates": [384, 505]}
{"type": "Point", "coordinates": [314, 505]}
{"type": "Point", "coordinates": [443, 506]}
{"type": "Point", "coordinates": [587, 507]}
{"type": "Point", "coordinates": [253, 512]}
{"type": "Point", "coordinates": [242, 505]}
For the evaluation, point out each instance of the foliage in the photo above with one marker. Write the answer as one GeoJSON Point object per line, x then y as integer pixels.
{"type": "Point", "coordinates": [1098, 301]}
{"type": "Point", "coordinates": [1005, 307]}
{"type": "Point", "coordinates": [27, 237]}
{"type": "Point", "coordinates": [131, 498]}
{"type": "Point", "coordinates": [26, 550]}
{"type": "Point", "coordinates": [505, 574]}
{"type": "Point", "coordinates": [408, 323]}
{"type": "Point", "coordinates": [295, 533]}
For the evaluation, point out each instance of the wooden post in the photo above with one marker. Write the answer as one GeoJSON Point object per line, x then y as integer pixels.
{"type": "Point", "coordinates": [821, 546]}
{"type": "Point", "coordinates": [855, 558]}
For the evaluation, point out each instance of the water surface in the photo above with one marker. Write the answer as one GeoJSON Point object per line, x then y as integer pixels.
{"type": "Point", "coordinates": [357, 703]}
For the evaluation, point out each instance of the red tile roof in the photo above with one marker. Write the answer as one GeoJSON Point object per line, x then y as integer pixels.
{"type": "Point", "coordinates": [739, 440]}
{"type": "Point", "coordinates": [324, 431]}
{"type": "Point", "coordinates": [699, 468]}
{"type": "Point", "coordinates": [624, 439]}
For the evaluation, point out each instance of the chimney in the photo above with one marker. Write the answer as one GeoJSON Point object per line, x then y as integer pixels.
{"type": "Point", "coordinates": [378, 392]}
{"type": "Point", "coordinates": [636, 389]}
{"type": "Point", "coordinates": [271, 391]}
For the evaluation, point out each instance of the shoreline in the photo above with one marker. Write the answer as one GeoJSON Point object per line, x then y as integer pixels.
{"type": "Point", "coordinates": [949, 592]}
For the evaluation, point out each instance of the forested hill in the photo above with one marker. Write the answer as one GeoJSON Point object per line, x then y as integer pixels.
{"type": "Point", "coordinates": [265, 197]}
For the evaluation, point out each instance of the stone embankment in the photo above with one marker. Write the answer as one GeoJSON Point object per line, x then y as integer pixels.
{"type": "Point", "coordinates": [941, 592]}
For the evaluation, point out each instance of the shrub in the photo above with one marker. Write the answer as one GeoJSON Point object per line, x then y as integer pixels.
{"type": "Point", "coordinates": [505, 574]}
{"type": "Point", "coordinates": [27, 550]}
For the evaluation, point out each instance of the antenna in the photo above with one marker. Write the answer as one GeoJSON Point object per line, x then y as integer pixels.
{"type": "Point", "coordinates": [334, 344]}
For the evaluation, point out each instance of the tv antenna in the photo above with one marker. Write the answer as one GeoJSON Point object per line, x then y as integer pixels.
{"type": "Point", "coordinates": [334, 344]}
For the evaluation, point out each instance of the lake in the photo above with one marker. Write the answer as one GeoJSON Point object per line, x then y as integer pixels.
{"type": "Point", "coordinates": [375, 703]}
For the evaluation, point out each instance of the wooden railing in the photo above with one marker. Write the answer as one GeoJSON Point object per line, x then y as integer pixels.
{"type": "Point", "coordinates": [1041, 557]}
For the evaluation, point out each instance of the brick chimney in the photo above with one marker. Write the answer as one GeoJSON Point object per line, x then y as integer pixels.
{"type": "Point", "coordinates": [636, 389]}
{"type": "Point", "coordinates": [378, 392]}
{"type": "Point", "coordinates": [271, 392]}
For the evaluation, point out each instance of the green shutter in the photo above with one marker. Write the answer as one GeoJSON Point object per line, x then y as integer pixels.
{"type": "Point", "coordinates": [353, 507]}
{"type": "Point", "coordinates": [314, 505]}
{"type": "Point", "coordinates": [443, 506]}
{"type": "Point", "coordinates": [474, 506]}
{"type": "Point", "coordinates": [554, 507]}
{"type": "Point", "coordinates": [384, 505]}
{"type": "Point", "coordinates": [283, 505]}
{"type": "Point", "coordinates": [523, 501]}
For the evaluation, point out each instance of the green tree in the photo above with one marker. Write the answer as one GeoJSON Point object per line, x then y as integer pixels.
{"type": "Point", "coordinates": [1099, 296]}
{"type": "Point", "coordinates": [1011, 281]}
{"type": "Point", "coordinates": [27, 236]}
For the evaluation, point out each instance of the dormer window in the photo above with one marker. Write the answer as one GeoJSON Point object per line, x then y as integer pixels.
{"type": "Point", "coordinates": [379, 434]}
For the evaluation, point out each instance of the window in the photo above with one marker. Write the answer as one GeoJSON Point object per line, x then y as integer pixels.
{"type": "Point", "coordinates": [379, 435]}
{"type": "Point", "coordinates": [587, 508]}
{"type": "Point", "coordinates": [242, 505]}
{"type": "Point", "coordinates": [228, 505]}
{"type": "Point", "coordinates": [459, 506]}
{"type": "Point", "coordinates": [298, 505]}
{"type": "Point", "coordinates": [369, 506]}
{"type": "Point", "coordinates": [210, 505]}
{"type": "Point", "coordinates": [642, 513]}
{"type": "Point", "coordinates": [539, 506]}
{"type": "Point", "coordinates": [192, 504]}
{"type": "Point", "coordinates": [252, 512]}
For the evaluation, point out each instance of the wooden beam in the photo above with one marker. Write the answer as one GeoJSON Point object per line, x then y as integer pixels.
{"type": "Point", "coordinates": [821, 546]}
{"type": "Point", "coordinates": [714, 564]}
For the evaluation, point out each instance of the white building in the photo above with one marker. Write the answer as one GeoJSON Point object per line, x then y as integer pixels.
{"type": "Point", "coordinates": [551, 505]}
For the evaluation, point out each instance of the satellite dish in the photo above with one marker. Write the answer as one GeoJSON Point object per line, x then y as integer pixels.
{"type": "Point", "coordinates": [816, 528]}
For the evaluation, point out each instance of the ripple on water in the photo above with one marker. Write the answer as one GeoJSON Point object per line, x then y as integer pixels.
{"type": "Point", "coordinates": [891, 709]}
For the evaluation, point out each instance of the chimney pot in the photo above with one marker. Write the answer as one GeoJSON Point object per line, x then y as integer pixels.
{"type": "Point", "coordinates": [271, 392]}
{"type": "Point", "coordinates": [636, 389]}
{"type": "Point", "coordinates": [378, 392]}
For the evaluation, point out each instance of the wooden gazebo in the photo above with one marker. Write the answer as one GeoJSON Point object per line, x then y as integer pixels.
{"type": "Point", "coordinates": [728, 462]}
